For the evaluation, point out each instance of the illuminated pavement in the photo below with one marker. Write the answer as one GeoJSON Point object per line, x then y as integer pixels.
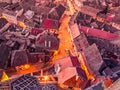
{"type": "Point", "coordinates": [33, 68]}
{"type": "Point", "coordinates": [64, 35]}
{"type": "Point", "coordinates": [65, 39]}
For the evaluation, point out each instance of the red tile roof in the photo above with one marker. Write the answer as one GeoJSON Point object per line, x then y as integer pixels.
{"type": "Point", "coordinates": [51, 24]}
{"type": "Point", "coordinates": [98, 33]}
{"type": "Point", "coordinates": [36, 31]}
{"type": "Point", "coordinates": [48, 23]}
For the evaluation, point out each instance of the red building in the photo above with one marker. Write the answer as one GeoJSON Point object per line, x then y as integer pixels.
{"type": "Point", "coordinates": [51, 24]}
{"type": "Point", "coordinates": [98, 33]}
{"type": "Point", "coordinates": [70, 73]}
{"type": "Point", "coordinates": [36, 31]}
{"type": "Point", "coordinates": [47, 41]}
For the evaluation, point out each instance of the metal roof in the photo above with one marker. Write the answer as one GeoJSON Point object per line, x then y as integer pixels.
{"type": "Point", "coordinates": [25, 82]}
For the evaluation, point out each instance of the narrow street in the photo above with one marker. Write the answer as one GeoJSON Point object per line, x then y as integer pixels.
{"type": "Point", "coordinates": [65, 39]}
{"type": "Point", "coordinates": [64, 35]}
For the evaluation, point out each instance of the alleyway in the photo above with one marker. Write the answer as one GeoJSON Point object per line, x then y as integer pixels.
{"type": "Point", "coordinates": [65, 39]}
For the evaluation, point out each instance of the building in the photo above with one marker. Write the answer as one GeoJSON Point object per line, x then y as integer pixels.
{"type": "Point", "coordinates": [98, 33]}
{"type": "Point", "coordinates": [4, 25]}
{"type": "Point", "coordinates": [89, 10]}
{"type": "Point", "coordinates": [27, 5]}
{"type": "Point", "coordinates": [56, 12]}
{"type": "Point", "coordinates": [81, 42]}
{"type": "Point", "coordinates": [29, 14]}
{"type": "Point", "coordinates": [108, 46]}
{"type": "Point", "coordinates": [93, 58]}
{"type": "Point", "coordinates": [47, 41]}
{"type": "Point", "coordinates": [10, 16]}
{"type": "Point", "coordinates": [35, 57]}
{"type": "Point", "coordinates": [12, 12]}
{"type": "Point", "coordinates": [73, 77]}
{"type": "Point", "coordinates": [19, 57]}
{"type": "Point", "coordinates": [115, 85]}
{"type": "Point", "coordinates": [16, 8]}
{"type": "Point", "coordinates": [7, 1]}
{"type": "Point", "coordinates": [98, 86]}
{"type": "Point", "coordinates": [36, 31]}
{"type": "Point", "coordinates": [65, 62]}
{"type": "Point", "coordinates": [79, 39]}
{"type": "Point", "coordinates": [74, 30]}
{"type": "Point", "coordinates": [51, 24]}
{"type": "Point", "coordinates": [16, 1]}
{"type": "Point", "coordinates": [43, 2]}
{"type": "Point", "coordinates": [25, 82]}
{"type": "Point", "coordinates": [69, 72]}
{"type": "Point", "coordinates": [5, 56]}
{"type": "Point", "coordinates": [3, 22]}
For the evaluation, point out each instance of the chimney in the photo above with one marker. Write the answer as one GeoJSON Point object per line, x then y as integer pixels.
{"type": "Point", "coordinates": [49, 44]}
{"type": "Point", "coordinates": [45, 43]}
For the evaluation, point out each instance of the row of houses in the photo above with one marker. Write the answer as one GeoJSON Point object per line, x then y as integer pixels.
{"type": "Point", "coordinates": [20, 45]}
{"type": "Point", "coordinates": [80, 31]}
{"type": "Point", "coordinates": [27, 33]}
{"type": "Point", "coordinates": [31, 15]}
